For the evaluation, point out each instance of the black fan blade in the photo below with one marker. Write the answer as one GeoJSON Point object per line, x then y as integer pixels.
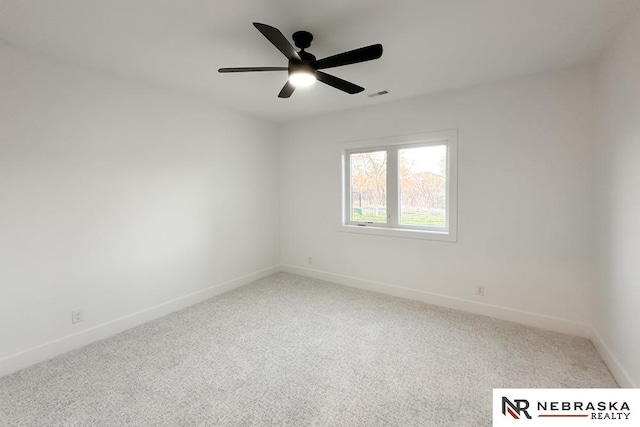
{"type": "Point", "coordinates": [287, 90]}
{"type": "Point", "coordinates": [278, 40]}
{"type": "Point", "coordinates": [244, 69]}
{"type": "Point", "coordinates": [352, 57]}
{"type": "Point", "coordinates": [338, 83]}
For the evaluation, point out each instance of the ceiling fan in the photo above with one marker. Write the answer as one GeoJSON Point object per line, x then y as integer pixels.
{"type": "Point", "coordinates": [303, 67]}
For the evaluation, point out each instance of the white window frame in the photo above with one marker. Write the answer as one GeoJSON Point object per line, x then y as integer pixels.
{"type": "Point", "coordinates": [393, 228]}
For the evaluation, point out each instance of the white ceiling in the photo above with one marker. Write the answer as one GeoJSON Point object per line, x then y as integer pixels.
{"type": "Point", "coordinates": [429, 45]}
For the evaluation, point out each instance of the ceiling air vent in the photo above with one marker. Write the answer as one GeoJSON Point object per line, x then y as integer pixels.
{"type": "Point", "coordinates": [382, 92]}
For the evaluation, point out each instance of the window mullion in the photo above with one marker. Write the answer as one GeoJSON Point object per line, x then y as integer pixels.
{"type": "Point", "coordinates": [392, 187]}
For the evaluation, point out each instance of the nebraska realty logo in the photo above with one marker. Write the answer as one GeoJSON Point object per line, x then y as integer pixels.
{"type": "Point", "coordinates": [566, 407]}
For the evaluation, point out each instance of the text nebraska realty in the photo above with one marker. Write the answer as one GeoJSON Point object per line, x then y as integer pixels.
{"type": "Point", "coordinates": [599, 410]}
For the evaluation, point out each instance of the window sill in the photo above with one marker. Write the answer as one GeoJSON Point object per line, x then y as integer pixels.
{"type": "Point", "coordinates": [399, 232]}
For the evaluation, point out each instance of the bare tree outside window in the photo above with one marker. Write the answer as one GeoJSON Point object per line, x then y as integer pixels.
{"type": "Point", "coordinates": [369, 187]}
{"type": "Point", "coordinates": [423, 194]}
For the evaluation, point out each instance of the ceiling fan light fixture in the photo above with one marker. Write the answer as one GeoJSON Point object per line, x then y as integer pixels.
{"type": "Point", "coordinates": [302, 78]}
{"type": "Point", "coordinates": [303, 67]}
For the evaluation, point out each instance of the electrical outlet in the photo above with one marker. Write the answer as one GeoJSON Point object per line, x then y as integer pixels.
{"type": "Point", "coordinates": [76, 316]}
{"type": "Point", "coordinates": [480, 291]}
{"type": "Point", "coordinates": [309, 260]}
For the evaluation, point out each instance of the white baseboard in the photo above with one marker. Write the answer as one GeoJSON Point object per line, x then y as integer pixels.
{"type": "Point", "coordinates": [62, 345]}
{"type": "Point", "coordinates": [550, 323]}
{"type": "Point", "coordinates": [617, 370]}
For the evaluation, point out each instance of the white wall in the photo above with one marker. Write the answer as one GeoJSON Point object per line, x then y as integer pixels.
{"type": "Point", "coordinates": [617, 303]}
{"type": "Point", "coordinates": [116, 197]}
{"type": "Point", "coordinates": [525, 223]}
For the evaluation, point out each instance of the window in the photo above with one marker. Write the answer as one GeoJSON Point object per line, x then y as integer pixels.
{"type": "Point", "coordinates": [402, 186]}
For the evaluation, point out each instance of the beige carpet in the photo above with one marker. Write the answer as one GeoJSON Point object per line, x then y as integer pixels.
{"type": "Point", "coordinates": [289, 350]}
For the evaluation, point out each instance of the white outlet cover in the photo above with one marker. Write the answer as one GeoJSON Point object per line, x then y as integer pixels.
{"type": "Point", "coordinates": [76, 316]}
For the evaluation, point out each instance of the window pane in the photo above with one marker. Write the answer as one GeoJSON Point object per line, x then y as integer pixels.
{"type": "Point", "coordinates": [423, 194]}
{"type": "Point", "coordinates": [369, 187]}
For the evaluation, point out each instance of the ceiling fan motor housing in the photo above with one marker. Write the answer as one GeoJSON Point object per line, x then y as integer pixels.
{"type": "Point", "coordinates": [307, 63]}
